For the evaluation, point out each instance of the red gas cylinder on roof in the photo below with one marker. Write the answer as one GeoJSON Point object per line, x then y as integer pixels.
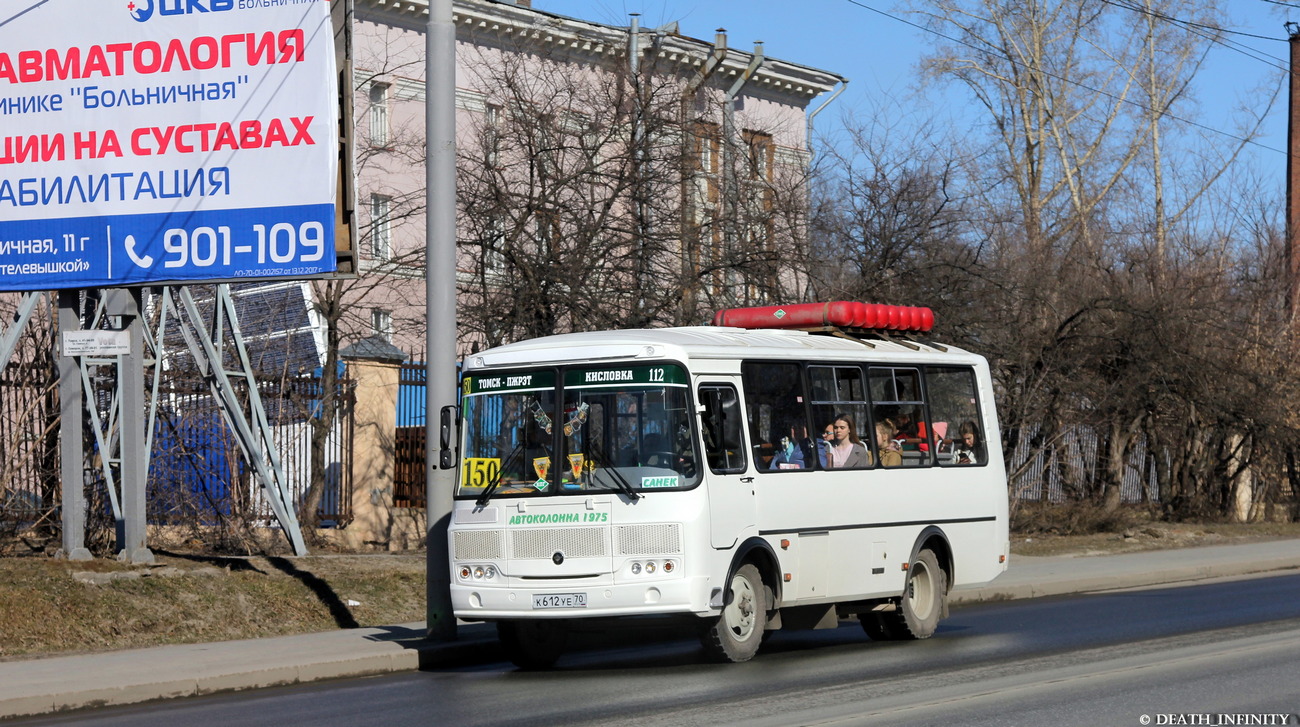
{"type": "Point", "coordinates": [838, 314]}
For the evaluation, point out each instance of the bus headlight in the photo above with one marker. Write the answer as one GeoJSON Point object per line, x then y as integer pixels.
{"type": "Point", "coordinates": [477, 572]}
{"type": "Point", "coordinates": [636, 569]}
{"type": "Point", "coordinates": [650, 567]}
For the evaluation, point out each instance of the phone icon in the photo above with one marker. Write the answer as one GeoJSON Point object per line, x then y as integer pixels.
{"type": "Point", "coordinates": [144, 262]}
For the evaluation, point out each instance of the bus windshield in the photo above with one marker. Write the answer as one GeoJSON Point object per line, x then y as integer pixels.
{"type": "Point", "coordinates": [620, 429]}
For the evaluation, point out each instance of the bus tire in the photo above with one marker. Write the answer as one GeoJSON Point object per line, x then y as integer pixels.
{"type": "Point", "coordinates": [879, 626]}
{"type": "Point", "coordinates": [922, 602]}
{"type": "Point", "coordinates": [534, 643]}
{"type": "Point", "coordinates": [737, 632]}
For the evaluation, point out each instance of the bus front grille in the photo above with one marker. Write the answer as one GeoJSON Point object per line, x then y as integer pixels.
{"type": "Point", "coordinates": [649, 539]}
{"type": "Point", "coordinates": [545, 542]}
{"type": "Point", "coordinates": [479, 545]}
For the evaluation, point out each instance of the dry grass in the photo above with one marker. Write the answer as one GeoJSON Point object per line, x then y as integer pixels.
{"type": "Point", "coordinates": [49, 606]}
{"type": "Point", "coordinates": [1139, 536]}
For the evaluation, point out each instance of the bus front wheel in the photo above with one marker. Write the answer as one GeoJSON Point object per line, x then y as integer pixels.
{"type": "Point", "coordinates": [738, 631]}
{"type": "Point", "coordinates": [533, 644]}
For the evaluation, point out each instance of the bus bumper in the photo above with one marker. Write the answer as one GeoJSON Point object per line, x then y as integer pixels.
{"type": "Point", "coordinates": [676, 596]}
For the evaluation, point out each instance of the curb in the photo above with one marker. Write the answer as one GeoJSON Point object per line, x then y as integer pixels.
{"type": "Point", "coordinates": [1183, 574]}
{"type": "Point", "coordinates": [65, 683]}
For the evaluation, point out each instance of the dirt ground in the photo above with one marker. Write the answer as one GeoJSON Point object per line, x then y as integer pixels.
{"type": "Point", "coordinates": [50, 606]}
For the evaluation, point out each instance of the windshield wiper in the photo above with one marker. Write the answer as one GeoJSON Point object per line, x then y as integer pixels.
{"type": "Point", "coordinates": [623, 484]}
{"type": "Point", "coordinates": [482, 500]}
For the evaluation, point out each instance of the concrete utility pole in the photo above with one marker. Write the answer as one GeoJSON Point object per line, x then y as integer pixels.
{"type": "Point", "coordinates": [71, 443]}
{"type": "Point", "coordinates": [127, 304]}
{"type": "Point", "coordinates": [440, 310]}
{"type": "Point", "coordinates": [1293, 176]}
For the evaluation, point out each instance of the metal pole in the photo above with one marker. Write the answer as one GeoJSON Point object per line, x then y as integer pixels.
{"type": "Point", "coordinates": [71, 446]}
{"type": "Point", "coordinates": [127, 303]}
{"type": "Point", "coordinates": [440, 307]}
{"type": "Point", "coordinates": [1292, 180]}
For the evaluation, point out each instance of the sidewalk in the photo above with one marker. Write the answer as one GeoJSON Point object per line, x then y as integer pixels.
{"type": "Point", "coordinates": [41, 686]}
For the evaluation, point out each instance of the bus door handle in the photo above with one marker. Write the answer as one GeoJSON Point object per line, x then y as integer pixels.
{"type": "Point", "coordinates": [445, 460]}
{"type": "Point", "coordinates": [747, 480]}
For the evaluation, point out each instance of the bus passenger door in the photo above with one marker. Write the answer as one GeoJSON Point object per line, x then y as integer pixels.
{"type": "Point", "coordinates": [731, 491]}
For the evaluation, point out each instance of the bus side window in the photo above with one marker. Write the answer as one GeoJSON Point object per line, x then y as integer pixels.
{"type": "Point", "coordinates": [838, 392]}
{"type": "Point", "coordinates": [724, 446]}
{"type": "Point", "coordinates": [897, 400]}
{"type": "Point", "coordinates": [778, 416]}
{"type": "Point", "coordinates": [954, 406]}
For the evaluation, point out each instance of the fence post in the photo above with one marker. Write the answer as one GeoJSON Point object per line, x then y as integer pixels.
{"type": "Point", "coordinates": [373, 364]}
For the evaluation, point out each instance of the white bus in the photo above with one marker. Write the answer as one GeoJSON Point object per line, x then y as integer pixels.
{"type": "Point", "coordinates": [752, 479]}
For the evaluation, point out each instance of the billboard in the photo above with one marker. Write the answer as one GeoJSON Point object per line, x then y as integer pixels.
{"type": "Point", "coordinates": [150, 141]}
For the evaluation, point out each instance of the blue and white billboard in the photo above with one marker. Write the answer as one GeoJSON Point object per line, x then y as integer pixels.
{"type": "Point", "coordinates": [166, 140]}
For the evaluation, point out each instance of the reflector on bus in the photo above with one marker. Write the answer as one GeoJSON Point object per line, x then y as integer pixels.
{"type": "Point", "coordinates": [838, 314]}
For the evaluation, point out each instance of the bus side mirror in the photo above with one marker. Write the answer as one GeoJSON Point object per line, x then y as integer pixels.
{"type": "Point", "coordinates": [445, 460]}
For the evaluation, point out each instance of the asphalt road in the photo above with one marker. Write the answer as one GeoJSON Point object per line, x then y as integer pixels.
{"type": "Point", "coordinates": [1230, 647]}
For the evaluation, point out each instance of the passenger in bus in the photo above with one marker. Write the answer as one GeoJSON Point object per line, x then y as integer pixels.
{"type": "Point", "coordinates": [512, 425]}
{"type": "Point", "coordinates": [846, 450]}
{"type": "Point", "coordinates": [788, 456]}
{"type": "Point", "coordinates": [654, 451]}
{"type": "Point", "coordinates": [684, 450]}
{"type": "Point", "coordinates": [889, 454]}
{"type": "Point", "coordinates": [820, 445]}
{"type": "Point", "coordinates": [910, 432]}
{"type": "Point", "coordinates": [968, 444]}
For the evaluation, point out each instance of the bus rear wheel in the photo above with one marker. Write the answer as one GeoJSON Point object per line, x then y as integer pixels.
{"type": "Point", "coordinates": [879, 626]}
{"type": "Point", "coordinates": [533, 644]}
{"type": "Point", "coordinates": [922, 602]}
{"type": "Point", "coordinates": [738, 631]}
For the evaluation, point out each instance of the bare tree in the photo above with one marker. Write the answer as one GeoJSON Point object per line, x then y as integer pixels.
{"type": "Point", "coordinates": [388, 155]}
{"type": "Point", "coordinates": [1099, 264]}
{"type": "Point", "coordinates": [592, 197]}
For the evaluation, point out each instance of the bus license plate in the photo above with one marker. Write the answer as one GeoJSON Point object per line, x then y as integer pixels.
{"type": "Point", "coordinates": [560, 600]}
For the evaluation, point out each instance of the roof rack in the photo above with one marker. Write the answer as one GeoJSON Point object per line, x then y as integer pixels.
{"type": "Point", "coordinates": [846, 319]}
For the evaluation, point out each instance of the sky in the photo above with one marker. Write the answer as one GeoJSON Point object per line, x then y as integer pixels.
{"type": "Point", "coordinates": [868, 42]}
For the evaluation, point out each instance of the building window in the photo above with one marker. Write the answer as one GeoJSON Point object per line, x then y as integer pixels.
{"type": "Point", "coordinates": [546, 231]}
{"type": "Point", "coordinates": [708, 143]}
{"type": "Point", "coordinates": [381, 234]}
{"type": "Point", "coordinates": [381, 323]}
{"type": "Point", "coordinates": [492, 135]}
{"type": "Point", "coordinates": [494, 256]}
{"type": "Point", "coordinates": [761, 152]}
{"type": "Point", "coordinates": [379, 135]}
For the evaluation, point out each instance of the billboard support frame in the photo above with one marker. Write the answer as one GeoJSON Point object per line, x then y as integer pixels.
{"type": "Point", "coordinates": [254, 437]}
{"type": "Point", "coordinates": [128, 426]}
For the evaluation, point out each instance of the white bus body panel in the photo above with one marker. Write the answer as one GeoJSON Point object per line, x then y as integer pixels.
{"type": "Point", "coordinates": [836, 536]}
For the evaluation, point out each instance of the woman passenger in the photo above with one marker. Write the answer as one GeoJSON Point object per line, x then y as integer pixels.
{"type": "Point", "coordinates": [968, 444]}
{"type": "Point", "coordinates": [845, 449]}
